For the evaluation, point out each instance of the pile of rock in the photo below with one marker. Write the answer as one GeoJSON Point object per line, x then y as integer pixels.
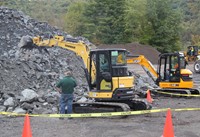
{"type": "Point", "coordinates": [32, 70]}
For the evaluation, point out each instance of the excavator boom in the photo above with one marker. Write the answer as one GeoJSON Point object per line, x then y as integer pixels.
{"type": "Point", "coordinates": [146, 65]}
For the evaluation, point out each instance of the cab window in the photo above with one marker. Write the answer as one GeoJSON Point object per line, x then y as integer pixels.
{"type": "Point", "coordinates": [104, 65]}
{"type": "Point", "coordinates": [118, 58]}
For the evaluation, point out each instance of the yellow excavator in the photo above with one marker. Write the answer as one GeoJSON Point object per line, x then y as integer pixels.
{"type": "Point", "coordinates": [110, 83]}
{"type": "Point", "coordinates": [171, 75]}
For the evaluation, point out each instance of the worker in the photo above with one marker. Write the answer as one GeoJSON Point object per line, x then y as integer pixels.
{"type": "Point", "coordinates": [176, 66]}
{"type": "Point", "coordinates": [66, 88]}
{"type": "Point", "coordinates": [191, 51]}
{"type": "Point", "coordinates": [120, 59]}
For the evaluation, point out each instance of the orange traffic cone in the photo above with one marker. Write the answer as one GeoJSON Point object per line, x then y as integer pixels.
{"type": "Point", "coordinates": [27, 127]}
{"type": "Point", "coordinates": [149, 99]}
{"type": "Point", "coordinates": [168, 128]}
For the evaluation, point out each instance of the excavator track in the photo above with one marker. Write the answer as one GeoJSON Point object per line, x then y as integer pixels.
{"type": "Point", "coordinates": [138, 104]}
{"type": "Point", "coordinates": [141, 104]}
{"type": "Point", "coordinates": [99, 107]}
{"type": "Point", "coordinates": [176, 92]}
{"type": "Point", "coordinates": [195, 91]}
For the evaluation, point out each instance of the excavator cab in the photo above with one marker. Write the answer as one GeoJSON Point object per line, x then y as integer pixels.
{"type": "Point", "coordinates": [112, 80]}
{"type": "Point", "coordinates": [172, 73]}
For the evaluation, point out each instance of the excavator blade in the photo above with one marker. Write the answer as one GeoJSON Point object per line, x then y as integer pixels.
{"type": "Point", "coordinates": [26, 42]}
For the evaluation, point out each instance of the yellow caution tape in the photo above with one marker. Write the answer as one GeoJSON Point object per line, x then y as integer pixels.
{"type": "Point", "coordinates": [107, 114]}
{"type": "Point", "coordinates": [175, 94]}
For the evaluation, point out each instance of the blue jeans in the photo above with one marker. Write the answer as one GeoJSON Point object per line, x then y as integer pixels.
{"type": "Point", "coordinates": [66, 100]}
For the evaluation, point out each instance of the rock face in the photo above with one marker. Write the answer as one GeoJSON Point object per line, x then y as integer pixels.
{"type": "Point", "coordinates": [28, 77]}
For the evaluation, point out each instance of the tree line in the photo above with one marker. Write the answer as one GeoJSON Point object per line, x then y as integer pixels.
{"type": "Point", "coordinates": [165, 24]}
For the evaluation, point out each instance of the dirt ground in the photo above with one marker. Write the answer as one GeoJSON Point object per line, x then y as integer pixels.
{"type": "Point", "coordinates": [186, 123]}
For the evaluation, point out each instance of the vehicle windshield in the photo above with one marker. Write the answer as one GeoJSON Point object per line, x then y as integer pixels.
{"type": "Point", "coordinates": [118, 58]}
{"type": "Point", "coordinates": [174, 62]}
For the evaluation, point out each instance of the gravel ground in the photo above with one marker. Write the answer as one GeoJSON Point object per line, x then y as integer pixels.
{"type": "Point", "coordinates": [186, 123]}
{"type": "Point", "coordinates": [14, 25]}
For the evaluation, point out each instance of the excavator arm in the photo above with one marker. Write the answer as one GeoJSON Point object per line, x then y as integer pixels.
{"type": "Point", "coordinates": [145, 64]}
{"type": "Point", "coordinates": [80, 48]}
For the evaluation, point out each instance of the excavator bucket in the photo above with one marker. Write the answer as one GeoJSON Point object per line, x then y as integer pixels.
{"type": "Point", "coordinates": [26, 42]}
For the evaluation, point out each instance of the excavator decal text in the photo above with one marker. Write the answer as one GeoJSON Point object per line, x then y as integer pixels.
{"type": "Point", "coordinates": [70, 46]}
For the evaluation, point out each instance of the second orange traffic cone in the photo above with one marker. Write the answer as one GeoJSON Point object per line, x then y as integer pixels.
{"type": "Point", "coordinates": [27, 127]}
{"type": "Point", "coordinates": [149, 99]}
{"type": "Point", "coordinates": [168, 128]}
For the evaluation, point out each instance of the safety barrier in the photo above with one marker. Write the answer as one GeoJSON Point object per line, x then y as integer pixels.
{"type": "Point", "coordinates": [175, 94]}
{"type": "Point", "coordinates": [106, 114]}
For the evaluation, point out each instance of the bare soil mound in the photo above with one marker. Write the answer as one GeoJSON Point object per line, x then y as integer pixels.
{"type": "Point", "coordinates": [137, 49]}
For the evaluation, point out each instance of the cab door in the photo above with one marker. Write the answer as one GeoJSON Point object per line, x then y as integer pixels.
{"type": "Point", "coordinates": [169, 68]}
{"type": "Point", "coordinates": [103, 78]}
{"type": "Point", "coordinates": [174, 74]}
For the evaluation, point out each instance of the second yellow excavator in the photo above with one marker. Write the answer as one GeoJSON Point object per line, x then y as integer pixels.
{"type": "Point", "coordinates": [171, 75]}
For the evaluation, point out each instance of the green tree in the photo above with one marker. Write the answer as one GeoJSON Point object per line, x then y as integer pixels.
{"type": "Point", "coordinates": [165, 21]}
{"type": "Point", "coordinates": [74, 19]}
{"type": "Point", "coordinates": [105, 21]}
{"type": "Point", "coordinates": [191, 22]}
{"type": "Point", "coordinates": [1, 3]}
{"type": "Point", "coordinates": [137, 25]}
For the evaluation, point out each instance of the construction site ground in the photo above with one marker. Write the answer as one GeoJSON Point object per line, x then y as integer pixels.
{"type": "Point", "coordinates": [185, 123]}
{"type": "Point", "coordinates": [39, 71]}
